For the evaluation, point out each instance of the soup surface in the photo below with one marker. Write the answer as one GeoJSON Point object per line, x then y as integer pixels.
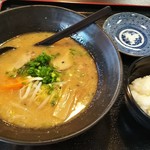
{"type": "Point", "coordinates": [43, 86]}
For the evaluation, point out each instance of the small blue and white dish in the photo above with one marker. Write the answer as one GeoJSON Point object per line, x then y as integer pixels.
{"type": "Point", "coordinates": [130, 32]}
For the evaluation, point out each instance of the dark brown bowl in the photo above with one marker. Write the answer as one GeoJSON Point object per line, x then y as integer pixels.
{"type": "Point", "coordinates": [139, 68]}
{"type": "Point", "coordinates": [109, 65]}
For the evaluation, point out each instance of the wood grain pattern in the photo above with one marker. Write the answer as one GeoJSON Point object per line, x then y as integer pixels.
{"type": "Point", "coordinates": [145, 3]}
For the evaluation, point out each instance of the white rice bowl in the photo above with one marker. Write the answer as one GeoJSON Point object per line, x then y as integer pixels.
{"type": "Point", "coordinates": [140, 89]}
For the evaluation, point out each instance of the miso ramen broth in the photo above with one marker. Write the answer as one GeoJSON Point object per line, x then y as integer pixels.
{"type": "Point", "coordinates": [43, 86]}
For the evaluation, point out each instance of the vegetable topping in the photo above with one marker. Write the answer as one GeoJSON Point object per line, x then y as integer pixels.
{"type": "Point", "coordinates": [36, 80]}
{"type": "Point", "coordinates": [40, 67]}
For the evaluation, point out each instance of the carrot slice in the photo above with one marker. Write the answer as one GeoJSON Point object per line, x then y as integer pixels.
{"type": "Point", "coordinates": [13, 83]}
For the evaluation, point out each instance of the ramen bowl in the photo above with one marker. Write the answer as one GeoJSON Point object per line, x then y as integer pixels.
{"type": "Point", "coordinates": [139, 69]}
{"type": "Point", "coordinates": [37, 18]}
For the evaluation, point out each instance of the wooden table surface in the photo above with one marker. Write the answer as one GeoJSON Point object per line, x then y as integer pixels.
{"type": "Point", "coordinates": [103, 2]}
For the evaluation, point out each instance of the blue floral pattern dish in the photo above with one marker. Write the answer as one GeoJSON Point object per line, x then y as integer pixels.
{"type": "Point", "coordinates": [130, 32]}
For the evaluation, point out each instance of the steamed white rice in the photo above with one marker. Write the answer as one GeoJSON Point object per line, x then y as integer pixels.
{"type": "Point", "coordinates": [140, 89]}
